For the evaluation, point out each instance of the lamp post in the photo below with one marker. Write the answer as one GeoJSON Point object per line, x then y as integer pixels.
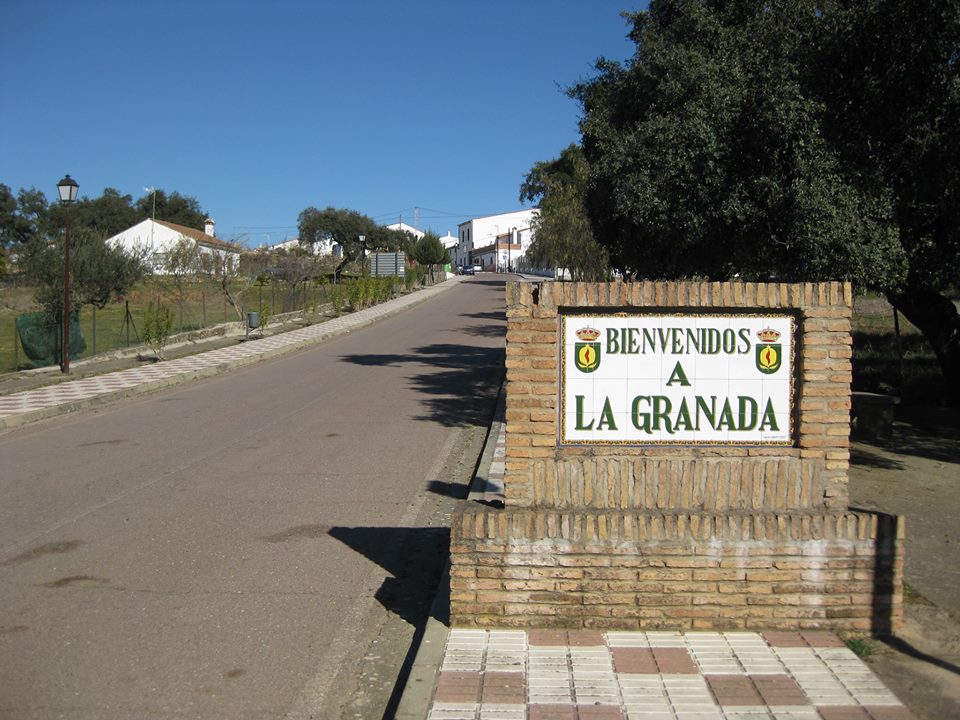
{"type": "Point", "coordinates": [68, 194]}
{"type": "Point", "coordinates": [363, 254]}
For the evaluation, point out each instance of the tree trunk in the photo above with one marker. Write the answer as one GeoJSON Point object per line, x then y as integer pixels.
{"type": "Point", "coordinates": [937, 318]}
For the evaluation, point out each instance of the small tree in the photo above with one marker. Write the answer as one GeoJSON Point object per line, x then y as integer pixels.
{"type": "Point", "coordinates": [429, 251]}
{"type": "Point", "coordinates": [157, 325]}
{"type": "Point", "coordinates": [98, 272]}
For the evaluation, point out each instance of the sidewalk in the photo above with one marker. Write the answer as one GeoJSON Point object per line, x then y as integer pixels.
{"type": "Point", "coordinates": [505, 674]}
{"type": "Point", "coordinates": [63, 396]}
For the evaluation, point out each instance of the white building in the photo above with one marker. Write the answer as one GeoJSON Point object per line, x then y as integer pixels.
{"type": "Point", "coordinates": [158, 238]}
{"type": "Point", "coordinates": [325, 246]}
{"type": "Point", "coordinates": [450, 244]}
{"type": "Point", "coordinates": [407, 229]}
{"type": "Point", "coordinates": [495, 242]}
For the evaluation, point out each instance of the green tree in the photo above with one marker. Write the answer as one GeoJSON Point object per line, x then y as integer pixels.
{"type": "Point", "coordinates": [21, 216]}
{"type": "Point", "coordinates": [562, 231]}
{"type": "Point", "coordinates": [790, 140]}
{"type": "Point", "coordinates": [98, 272]}
{"type": "Point", "coordinates": [107, 215]}
{"type": "Point", "coordinates": [429, 251]}
{"type": "Point", "coordinates": [342, 226]}
{"type": "Point", "coordinates": [176, 208]}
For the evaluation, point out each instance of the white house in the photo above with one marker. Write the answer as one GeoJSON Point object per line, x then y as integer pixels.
{"type": "Point", "coordinates": [407, 229]}
{"type": "Point", "coordinates": [158, 238]}
{"type": "Point", "coordinates": [325, 246]}
{"type": "Point", "coordinates": [450, 243]}
{"type": "Point", "coordinates": [495, 242]}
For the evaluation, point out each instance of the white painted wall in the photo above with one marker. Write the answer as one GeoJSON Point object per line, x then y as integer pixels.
{"type": "Point", "coordinates": [157, 241]}
{"type": "Point", "coordinates": [482, 232]}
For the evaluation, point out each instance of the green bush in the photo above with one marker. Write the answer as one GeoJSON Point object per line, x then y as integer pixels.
{"type": "Point", "coordinates": [157, 326]}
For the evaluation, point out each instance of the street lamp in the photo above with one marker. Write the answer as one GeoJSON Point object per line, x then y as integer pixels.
{"type": "Point", "coordinates": [68, 194]}
{"type": "Point", "coordinates": [363, 254]}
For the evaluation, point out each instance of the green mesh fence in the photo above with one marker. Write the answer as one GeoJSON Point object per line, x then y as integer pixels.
{"type": "Point", "coordinates": [40, 337]}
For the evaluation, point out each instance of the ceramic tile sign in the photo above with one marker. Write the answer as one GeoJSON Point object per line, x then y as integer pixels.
{"type": "Point", "coordinates": [686, 378]}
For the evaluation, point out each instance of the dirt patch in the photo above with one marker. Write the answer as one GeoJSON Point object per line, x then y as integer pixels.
{"type": "Point", "coordinates": [916, 473]}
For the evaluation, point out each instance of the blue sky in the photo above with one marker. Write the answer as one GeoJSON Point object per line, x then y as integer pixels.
{"type": "Point", "coordinates": [262, 109]}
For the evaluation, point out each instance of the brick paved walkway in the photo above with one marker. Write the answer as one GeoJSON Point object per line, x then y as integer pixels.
{"type": "Point", "coordinates": [582, 675]}
{"type": "Point", "coordinates": [73, 393]}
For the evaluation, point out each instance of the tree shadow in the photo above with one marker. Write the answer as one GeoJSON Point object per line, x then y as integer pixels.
{"type": "Point", "coordinates": [459, 383]}
{"type": "Point", "coordinates": [864, 458]}
{"type": "Point", "coordinates": [415, 559]}
{"type": "Point", "coordinates": [499, 315]}
{"type": "Point", "coordinates": [933, 442]}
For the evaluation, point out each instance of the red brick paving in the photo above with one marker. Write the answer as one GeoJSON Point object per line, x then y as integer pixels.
{"type": "Point", "coordinates": [458, 687]}
{"type": "Point", "coordinates": [889, 712]}
{"type": "Point", "coordinates": [546, 638]}
{"type": "Point", "coordinates": [585, 638]}
{"type": "Point", "coordinates": [633, 660]}
{"type": "Point", "coordinates": [779, 690]}
{"type": "Point", "coordinates": [822, 639]}
{"type": "Point", "coordinates": [733, 690]}
{"type": "Point", "coordinates": [675, 661]}
{"type": "Point", "coordinates": [552, 712]}
{"type": "Point", "coordinates": [504, 687]}
{"type": "Point", "coordinates": [784, 639]}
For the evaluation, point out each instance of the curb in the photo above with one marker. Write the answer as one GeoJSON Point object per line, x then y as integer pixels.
{"type": "Point", "coordinates": [105, 398]}
{"type": "Point", "coordinates": [418, 691]}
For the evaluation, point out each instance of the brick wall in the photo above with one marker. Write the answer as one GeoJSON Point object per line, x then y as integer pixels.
{"type": "Point", "coordinates": [677, 536]}
{"type": "Point", "coordinates": [819, 461]}
{"type": "Point", "coordinates": [541, 568]}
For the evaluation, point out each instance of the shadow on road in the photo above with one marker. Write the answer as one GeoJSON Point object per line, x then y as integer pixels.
{"type": "Point", "coordinates": [415, 559]}
{"type": "Point", "coordinates": [459, 382]}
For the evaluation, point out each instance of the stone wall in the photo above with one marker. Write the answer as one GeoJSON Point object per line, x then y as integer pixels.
{"type": "Point", "coordinates": [701, 536]}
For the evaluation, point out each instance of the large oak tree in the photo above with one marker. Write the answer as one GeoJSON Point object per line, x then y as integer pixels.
{"type": "Point", "coordinates": [788, 140]}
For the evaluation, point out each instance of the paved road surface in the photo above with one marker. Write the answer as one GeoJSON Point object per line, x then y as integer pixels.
{"type": "Point", "coordinates": [233, 548]}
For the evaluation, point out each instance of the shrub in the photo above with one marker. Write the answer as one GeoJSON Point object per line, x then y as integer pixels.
{"type": "Point", "coordinates": [157, 326]}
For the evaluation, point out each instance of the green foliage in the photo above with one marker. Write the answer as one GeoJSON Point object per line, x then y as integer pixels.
{"type": "Point", "coordinates": [175, 208]}
{"type": "Point", "coordinates": [708, 156]}
{"type": "Point", "coordinates": [342, 226]}
{"type": "Point", "coordinates": [28, 215]}
{"type": "Point", "coordinates": [20, 216]}
{"type": "Point", "coordinates": [564, 237]}
{"type": "Point", "coordinates": [337, 299]}
{"type": "Point", "coordinates": [157, 326]}
{"type": "Point", "coordinates": [98, 272]}
{"type": "Point", "coordinates": [861, 645]}
{"type": "Point", "coordinates": [414, 277]}
{"type": "Point", "coordinates": [429, 251]}
{"type": "Point", "coordinates": [789, 140]}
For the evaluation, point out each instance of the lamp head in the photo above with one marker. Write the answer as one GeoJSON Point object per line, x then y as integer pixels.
{"type": "Point", "coordinates": [68, 189]}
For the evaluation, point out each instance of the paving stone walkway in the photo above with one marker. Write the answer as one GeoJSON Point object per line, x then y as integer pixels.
{"type": "Point", "coordinates": [584, 675]}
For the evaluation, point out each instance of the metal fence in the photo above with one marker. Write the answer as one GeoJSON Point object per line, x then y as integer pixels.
{"type": "Point", "coordinates": [197, 305]}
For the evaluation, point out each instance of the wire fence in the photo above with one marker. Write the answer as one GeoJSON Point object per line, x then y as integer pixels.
{"type": "Point", "coordinates": [197, 305]}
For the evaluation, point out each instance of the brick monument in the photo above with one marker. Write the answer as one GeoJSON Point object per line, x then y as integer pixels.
{"type": "Point", "coordinates": [677, 457]}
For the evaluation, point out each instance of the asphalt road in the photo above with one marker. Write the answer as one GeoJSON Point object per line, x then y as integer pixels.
{"type": "Point", "coordinates": [244, 546]}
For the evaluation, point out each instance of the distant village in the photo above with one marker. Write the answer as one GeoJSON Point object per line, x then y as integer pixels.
{"type": "Point", "coordinates": [493, 243]}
